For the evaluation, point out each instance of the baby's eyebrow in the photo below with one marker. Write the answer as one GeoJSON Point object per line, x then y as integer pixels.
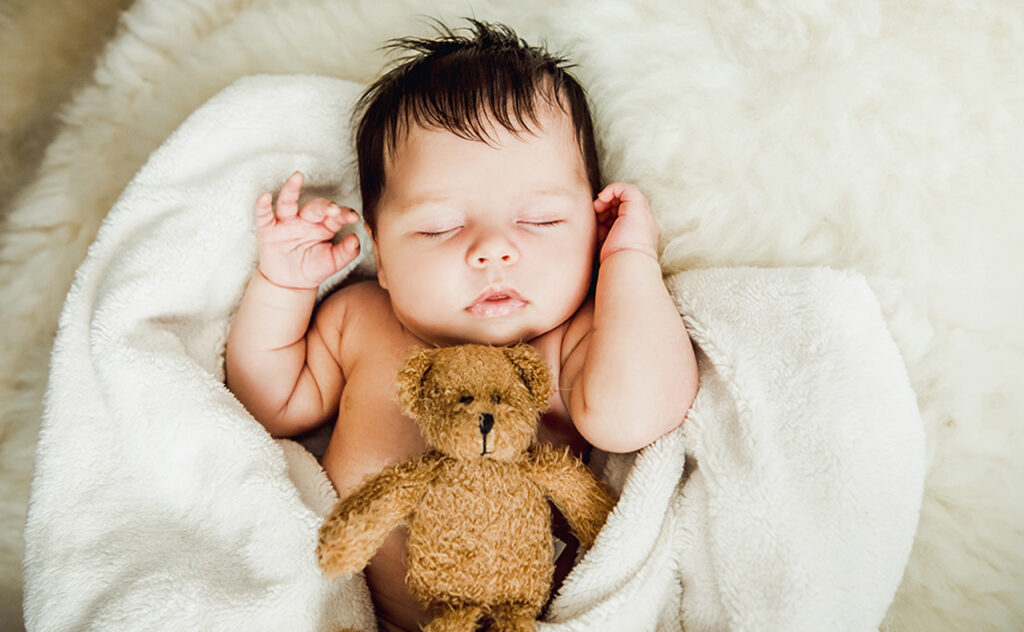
{"type": "Point", "coordinates": [425, 200]}
{"type": "Point", "coordinates": [440, 199]}
{"type": "Point", "coordinates": [552, 192]}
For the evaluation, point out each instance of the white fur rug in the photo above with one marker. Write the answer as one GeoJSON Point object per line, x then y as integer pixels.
{"type": "Point", "coordinates": [887, 137]}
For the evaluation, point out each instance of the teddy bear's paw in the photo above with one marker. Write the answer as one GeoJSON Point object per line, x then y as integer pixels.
{"type": "Point", "coordinates": [455, 619]}
{"type": "Point", "coordinates": [514, 617]}
{"type": "Point", "coordinates": [334, 564]}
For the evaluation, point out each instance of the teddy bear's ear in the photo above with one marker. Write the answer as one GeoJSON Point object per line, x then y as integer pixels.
{"type": "Point", "coordinates": [533, 372]}
{"type": "Point", "coordinates": [410, 379]}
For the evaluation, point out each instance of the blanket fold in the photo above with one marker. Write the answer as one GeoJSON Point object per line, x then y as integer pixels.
{"type": "Point", "coordinates": [787, 500]}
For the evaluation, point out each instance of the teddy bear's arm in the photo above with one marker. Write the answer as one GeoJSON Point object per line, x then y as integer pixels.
{"type": "Point", "coordinates": [360, 522]}
{"type": "Point", "coordinates": [583, 499]}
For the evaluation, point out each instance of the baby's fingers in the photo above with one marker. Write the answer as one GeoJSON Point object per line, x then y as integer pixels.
{"type": "Point", "coordinates": [622, 191]}
{"type": "Point", "coordinates": [345, 251]}
{"type": "Point", "coordinates": [288, 198]}
{"type": "Point", "coordinates": [603, 207]}
{"type": "Point", "coordinates": [333, 217]}
{"type": "Point", "coordinates": [619, 196]}
{"type": "Point", "coordinates": [264, 212]}
{"type": "Point", "coordinates": [315, 211]}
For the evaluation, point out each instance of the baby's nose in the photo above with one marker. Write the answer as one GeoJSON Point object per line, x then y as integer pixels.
{"type": "Point", "coordinates": [505, 258]}
{"type": "Point", "coordinates": [493, 249]}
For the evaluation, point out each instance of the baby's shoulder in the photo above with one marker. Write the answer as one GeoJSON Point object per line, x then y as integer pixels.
{"type": "Point", "coordinates": [354, 305]}
{"type": "Point", "coordinates": [361, 295]}
{"type": "Point", "coordinates": [356, 320]}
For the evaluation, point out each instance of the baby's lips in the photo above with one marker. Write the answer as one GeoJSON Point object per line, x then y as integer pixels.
{"type": "Point", "coordinates": [497, 291]}
{"type": "Point", "coordinates": [497, 301]}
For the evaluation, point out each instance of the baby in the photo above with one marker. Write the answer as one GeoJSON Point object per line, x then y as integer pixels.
{"type": "Point", "coordinates": [482, 196]}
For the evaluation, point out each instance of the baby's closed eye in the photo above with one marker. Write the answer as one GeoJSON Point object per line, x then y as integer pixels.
{"type": "Point", "coordinates": [541, 221]}
{"type": "Point", "coordinates": [437, 234]}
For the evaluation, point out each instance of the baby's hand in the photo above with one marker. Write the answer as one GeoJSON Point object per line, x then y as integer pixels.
{"type": "Point", "coordinates": [624, 221]}
{"type": "Point", "coordinates": [295, 245]}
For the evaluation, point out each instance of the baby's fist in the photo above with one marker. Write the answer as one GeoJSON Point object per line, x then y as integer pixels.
{"type": "Point", "coordinates": [624, 221]}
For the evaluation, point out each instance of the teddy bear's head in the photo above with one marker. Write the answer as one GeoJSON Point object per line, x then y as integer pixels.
{"type": "Point", "coordinates": [476, 401]}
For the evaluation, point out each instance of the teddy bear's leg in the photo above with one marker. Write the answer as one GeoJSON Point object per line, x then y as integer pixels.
{"type": "Point", "coordinates": [514, 617]}
{"type": "Point", "coordinates": [454, 619]}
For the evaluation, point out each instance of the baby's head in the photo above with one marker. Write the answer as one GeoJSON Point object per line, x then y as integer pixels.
{"type": "Point", "coordinates": [478, 170]}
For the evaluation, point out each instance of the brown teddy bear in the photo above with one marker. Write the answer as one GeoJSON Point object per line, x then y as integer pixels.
{"type": "Point", "coordinates": [475, 504]}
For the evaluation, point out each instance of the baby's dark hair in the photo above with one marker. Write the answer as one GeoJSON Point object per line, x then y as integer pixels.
{"type": "Point", "coordinates": [462, 84]}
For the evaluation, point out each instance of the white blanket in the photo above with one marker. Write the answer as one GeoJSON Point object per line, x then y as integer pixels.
{"type": "Point", "coordinates": [158, 503]}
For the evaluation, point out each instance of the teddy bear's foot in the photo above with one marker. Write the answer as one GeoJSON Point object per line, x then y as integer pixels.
{"type": "Point", "coordinates": [455, 619]}
{"type": "Point", "coordinates": [514, 617]}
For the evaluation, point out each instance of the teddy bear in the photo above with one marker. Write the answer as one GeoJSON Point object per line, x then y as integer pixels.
{"type": "Point", "coordinates": [475, 504]}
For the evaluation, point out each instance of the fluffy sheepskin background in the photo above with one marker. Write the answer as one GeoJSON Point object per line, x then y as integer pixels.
{"type": "Point", "coordinates": [881, 135]}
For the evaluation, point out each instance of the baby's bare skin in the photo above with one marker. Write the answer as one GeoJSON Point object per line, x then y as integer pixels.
{"type": "Point", "coordinates": [474, 242]}
{"type": "Point", "coordinates": [371, 432]}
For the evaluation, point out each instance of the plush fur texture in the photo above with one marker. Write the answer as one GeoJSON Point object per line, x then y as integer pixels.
{"type": "Point", "coordinates": [476, 504]}
{"type": "Point", "coordinates": [881, 135]}
{"type": "Point", "coordinates": [42, 60]}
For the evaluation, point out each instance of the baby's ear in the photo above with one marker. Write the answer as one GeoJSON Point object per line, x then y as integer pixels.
{"type": "Point", "coordinates": [382, 279]}
{"type": "Point", "coordinates": [533, 372]}
{"type": "Point", "coordinates": [410, 379]}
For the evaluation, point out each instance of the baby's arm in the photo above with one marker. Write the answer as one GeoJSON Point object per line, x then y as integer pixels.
{"type": "Point", "coordinates": [279, 366]}
{"type": "Point", "coordinates": [628, 371]}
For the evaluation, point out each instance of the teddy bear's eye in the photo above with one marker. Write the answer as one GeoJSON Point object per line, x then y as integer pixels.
{"type": "Point", "coordinates": [495, 398]}
{"type": "Point", "coordinates": [466, 399]}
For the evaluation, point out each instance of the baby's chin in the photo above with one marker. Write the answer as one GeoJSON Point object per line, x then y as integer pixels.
{"type": "Point", "coordinates": [497, 338]}
{"type": "Point", "coordinates": [451, 327]}
{"type": "Point", "coordinates": [495, 332]}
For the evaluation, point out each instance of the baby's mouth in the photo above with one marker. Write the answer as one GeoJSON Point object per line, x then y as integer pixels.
{"type": "Point", "coordinates": [496, 301]}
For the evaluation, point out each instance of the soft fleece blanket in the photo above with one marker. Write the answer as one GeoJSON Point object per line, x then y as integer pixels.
{"type": "Point", "coordinates": [788, 499]}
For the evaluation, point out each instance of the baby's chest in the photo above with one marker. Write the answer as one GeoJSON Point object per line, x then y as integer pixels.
{"type": "Point", "coordinates": [369, 411]}
{"type": "Point", "coordinates": [370, 394]}
{"type": "Point", "coordinates": [371, 432]}
{"type": "Point", "coordinates": [369, 398]}
{"type": "Point", "coordinates": [373, 348]}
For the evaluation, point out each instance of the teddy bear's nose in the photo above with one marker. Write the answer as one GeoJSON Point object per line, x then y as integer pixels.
{"type": "Point", "coordinates": [486, 423]}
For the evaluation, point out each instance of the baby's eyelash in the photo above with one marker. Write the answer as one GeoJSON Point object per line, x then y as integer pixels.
{"type": "Point", "coordinates": [441, 233]}
{"type": "Point", "coordinates": [435, 235]}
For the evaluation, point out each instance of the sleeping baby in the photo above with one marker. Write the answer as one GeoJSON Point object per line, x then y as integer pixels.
{"type": "Point", "coordinates": [482, 196]}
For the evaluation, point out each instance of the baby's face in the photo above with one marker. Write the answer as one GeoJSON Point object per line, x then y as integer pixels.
{"type": "Point", "coordinates": [486, 244]}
